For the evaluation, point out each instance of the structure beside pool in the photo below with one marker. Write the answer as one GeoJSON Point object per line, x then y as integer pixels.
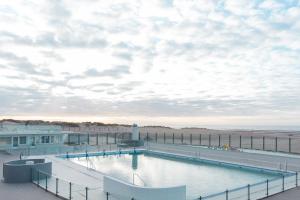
{"type": "Point", "coordinates": [125, 190]}
{"type": "Point", "coordinates": [20, 136]}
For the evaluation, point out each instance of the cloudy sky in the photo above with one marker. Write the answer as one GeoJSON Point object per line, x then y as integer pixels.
{"type": "Point", "coordinates": [167, 62]}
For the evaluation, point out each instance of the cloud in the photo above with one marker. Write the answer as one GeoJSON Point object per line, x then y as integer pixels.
{"type": "Point", "coordinates": [123, 55]}
{"type": "Point", "coordinates": [151, 58]}
{"type": "Point", "coordinates": [22, 64]}
{"type": "Point", "coordinates": [114, 72]}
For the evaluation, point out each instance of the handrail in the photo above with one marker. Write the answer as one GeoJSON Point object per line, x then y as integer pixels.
{"type": "Point", "coordinates": [136, 174]}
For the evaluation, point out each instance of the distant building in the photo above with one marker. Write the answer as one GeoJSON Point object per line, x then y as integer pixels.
{"type": "Point", "coordinates": [14, 136]}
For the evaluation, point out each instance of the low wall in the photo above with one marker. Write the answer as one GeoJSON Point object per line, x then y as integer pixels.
{"type": "Point", "coordinates": [125, 190]}
{"type": "Point", "coordinates": [20, 171]}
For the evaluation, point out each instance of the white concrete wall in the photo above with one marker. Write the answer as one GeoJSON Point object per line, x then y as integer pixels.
{"type": "Point", "coordinates": [124, 190]}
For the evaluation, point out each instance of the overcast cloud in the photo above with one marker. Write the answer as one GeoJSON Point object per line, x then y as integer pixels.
{"type": "Point", "coordinates": [183, 59]}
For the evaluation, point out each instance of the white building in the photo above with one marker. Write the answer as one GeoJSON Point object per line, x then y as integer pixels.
{"type": "Point", "coordinates": [14, 136]}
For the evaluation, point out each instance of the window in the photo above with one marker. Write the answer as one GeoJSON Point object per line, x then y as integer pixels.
{"type": "Point", "coordinates": [5, 140]}
{"type": "Point", "coordinates": [22, 140]}
{"type": "Point", "coordinates": [45, 139]}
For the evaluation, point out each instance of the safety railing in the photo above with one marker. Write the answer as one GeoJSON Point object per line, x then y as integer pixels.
{"type": "Point", "coordinates": [66, 189]}
{"type": "Point", "coordinates": [258, 190]}
{"type": "Point", "coordinates": [286, 144]}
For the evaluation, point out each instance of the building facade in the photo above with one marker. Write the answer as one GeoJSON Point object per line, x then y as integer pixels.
{"type": "Point", "coordinates": [14, 136]}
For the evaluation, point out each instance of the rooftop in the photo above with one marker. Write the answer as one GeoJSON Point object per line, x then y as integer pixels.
{"type": "Point", "coordinates": [20, 129]}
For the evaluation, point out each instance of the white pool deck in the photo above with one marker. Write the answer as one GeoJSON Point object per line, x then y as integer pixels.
{"type": "Point", "coordinates": [84, 176]}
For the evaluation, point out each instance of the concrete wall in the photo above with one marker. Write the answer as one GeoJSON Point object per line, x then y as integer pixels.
{"type": "Point", "coordinates": [20, 171]}
{"type": "Point", "coordinates": [124, 190]}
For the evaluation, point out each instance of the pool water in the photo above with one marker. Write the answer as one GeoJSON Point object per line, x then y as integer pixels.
{"type": "Point", "coordinates": [201, 179]}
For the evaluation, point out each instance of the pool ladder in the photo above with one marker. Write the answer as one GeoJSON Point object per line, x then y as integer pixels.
{"type": "Point", "coordinates": [140, 178]}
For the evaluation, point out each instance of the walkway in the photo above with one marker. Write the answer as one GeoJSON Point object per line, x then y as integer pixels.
{"type": "Point", "coordinates": [293, 194]}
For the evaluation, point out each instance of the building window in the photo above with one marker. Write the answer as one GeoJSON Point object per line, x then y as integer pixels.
{"type": "Point", "coordinates": [45, 139]}
{"type": "Point", "coordinates": [22, 140]}
{"type": "Point", "coordinates": [5, 140]}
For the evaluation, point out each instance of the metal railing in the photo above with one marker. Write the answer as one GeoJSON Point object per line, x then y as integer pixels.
{"type": "Point", "coordinates": [288, 144]}
{"type": "Point", "coordinates": [66, 189]}
{"type": "Point", "coordinates": [258, 190]}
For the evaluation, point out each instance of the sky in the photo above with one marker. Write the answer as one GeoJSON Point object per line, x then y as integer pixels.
{"type": "Point", "coordinates": [233, 63]}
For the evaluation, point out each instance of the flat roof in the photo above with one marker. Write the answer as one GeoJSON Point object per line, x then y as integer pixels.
{"type": "Point", "coordinates": [11, 130]}
{"type": "Point", "coordinates": [11, 133]}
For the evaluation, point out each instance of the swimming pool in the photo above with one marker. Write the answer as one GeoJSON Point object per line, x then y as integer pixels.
{"type": "Point", "coordinates": [158, 169]}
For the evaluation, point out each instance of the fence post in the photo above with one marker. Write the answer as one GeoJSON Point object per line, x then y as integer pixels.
{"type": "Point", "coordinates": [70, 191]}
{"type": "Point", "coordinates": [181, 138]}
{"type": "Point", "coordinates": [32, 175]}
{"type": "Point", "coordinates": [290, 145]}
{"type": "Point", "coordinates": [139, 135]}
{"type": "Point", "coordinates": [276, 143]}
{"type": "Point", "coordinates": [240, 141]}
{"type": "Point", "coordinates": [173, 138]}
{"type": "Point", "coordinates": [251, 141]}
{"type": "Point", "coordinates": [226, 192]}
{"type": "Point", "coordinates": [38, 178]}
{"type": "Point", "coordinates": [209, 140]}
{"type": "Point", "coordinates": [263, 142]}
{"type": "Point", "coordinates": [283, 183]}
{"type": "Point", "coordinates": [97, 139]}
{"type": "Point", "coordinates": [69, 140]}
{"type": "Point", "coordinates": [86, 193]}
{"type": "Point", "coordinates": [296, 179]}
{"type": "Point", "coordinates": [46, 188]}
{"type": "Point", "coordinates": [88, 139]}
{"type": "Point", "coordinates": [200, 139]}
{"type": "Point", "coordinates": [56, 187]}
{"type": "Point", "coordinates": [219, 140]}
{"type": "Point", "coordinates": [229, 138]}
{"type": "Point", "coordinates": [248, 191]}
{"type": "Point", "coordinates": [107, 194]}
{"type": "Point", "coordinates": [267, 187]}
{"type": "Point", "coordinates": [147, 136]}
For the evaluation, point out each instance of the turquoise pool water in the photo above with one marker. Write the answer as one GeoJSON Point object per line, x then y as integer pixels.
{"type": "Point", "coordinates": [153, 171]}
